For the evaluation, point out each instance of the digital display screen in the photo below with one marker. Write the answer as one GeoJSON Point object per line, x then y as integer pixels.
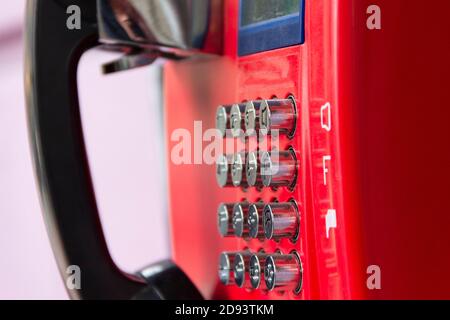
{"type": "Point", "coordinates": [255, 11]}
{"type": "Point", "coordinates": [270, 24]}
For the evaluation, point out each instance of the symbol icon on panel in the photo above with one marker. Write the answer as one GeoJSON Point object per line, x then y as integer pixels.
{"type": "Point", "coordinates": [330, 221]}
{"type": "Point", "coordinates": [325, 116]}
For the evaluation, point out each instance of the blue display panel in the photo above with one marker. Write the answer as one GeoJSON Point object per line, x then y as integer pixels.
{"type": "Point", "coordinates": [270, 24]}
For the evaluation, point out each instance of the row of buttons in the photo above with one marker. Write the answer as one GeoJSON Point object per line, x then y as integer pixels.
{"type": "Point", "coordinates": [280, 272]}
{"type": "Point", "coordinates": [268, 169]}
{"type": "Point", "coordinates": [265, 116]}
{"type": "Point", "coordinates": [273, 221]}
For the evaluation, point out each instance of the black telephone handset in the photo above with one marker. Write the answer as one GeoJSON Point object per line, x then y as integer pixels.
{"type": "Point", "coordinates": [67, 195]}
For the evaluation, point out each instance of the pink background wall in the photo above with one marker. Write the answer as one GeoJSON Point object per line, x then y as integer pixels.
{"type": "Point", "coordinates": [123, 127]}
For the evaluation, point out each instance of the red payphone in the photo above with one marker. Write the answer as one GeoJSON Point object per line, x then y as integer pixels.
{"type": "Point", "coordinates": [331, 120]}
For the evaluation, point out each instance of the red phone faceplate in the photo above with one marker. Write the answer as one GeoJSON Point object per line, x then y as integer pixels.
{"type": "Point", "coordinates": [386, 150]}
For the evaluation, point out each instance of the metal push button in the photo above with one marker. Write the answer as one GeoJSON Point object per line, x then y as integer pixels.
{"type": "Point", "coordinates": [224, 219]}
{"type": "Point", "coordinates": [223, 171]}
{"type": "Point", "coordinates": [283, 272]}
{"type": "Point", "coordinates": [281, 220]}
{"type": "Point", "coordinates": [252, 117]}
{"type": "Point", "coordinates": [240, 226]}
{"type": "Point", "coordinates": [256, 270]}
{"type": "Point", "coordinates": [255, 221]}
{"type": "Point", "coordinates": [226, 263]}
{"type": "Point", "coordinates": [222, 119]}
{"type": "Point", "coordinates": [238, 176]}
{"type": "Point", "coordinates": [252, 172]}
{"type": "Point", "coordinates": [278, 115]}
{"type": "Point", "coordinates": [279, 169]}
{"type": "Point", "coordinates": [241, 269]}
{"type": "Point", "coordinates": [237, 119]}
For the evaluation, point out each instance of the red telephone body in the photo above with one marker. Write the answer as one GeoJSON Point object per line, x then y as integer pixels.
{"type": "Point", "coordinates": [383, 149]}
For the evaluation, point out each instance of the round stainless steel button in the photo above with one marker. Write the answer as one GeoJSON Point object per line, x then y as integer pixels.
{"type": "Point", "coordinates": [278, 115]}
{"type": "Point", "coordinates": [237, 171]}
{"type": "Point", "coordinates": [281, 220]}
{"type": "Point", "coordinates": [252, 117]}
{"type": "Point", "coordinates": [237, 119]}
{"type": "Point", "coordinates": [240, 226]}
{"type": "Point", "coordinates": [222, 116]}
{"type": "Point", "coordinates": [241, 264]}
{"type": "Point", "coordinates": [256, 270]}
{"type": "Point", "coordinates": [226, 262]}
{"type": "Point", "coordinates": [255, 221]}
{"type": "Point", "coordinates": [224, 219]}
{"type": "Point", "coordinates": [223, 172]}
{"type": "Point", "coordinates": [252, 172]}
{"type": "Point", "coordinates": [283, 272]}
{"type": "Point", "coordinates": [279, 169]}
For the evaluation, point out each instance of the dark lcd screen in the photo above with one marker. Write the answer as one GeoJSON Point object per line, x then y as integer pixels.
{"type": "Point", "coordinates": [255, 11]}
